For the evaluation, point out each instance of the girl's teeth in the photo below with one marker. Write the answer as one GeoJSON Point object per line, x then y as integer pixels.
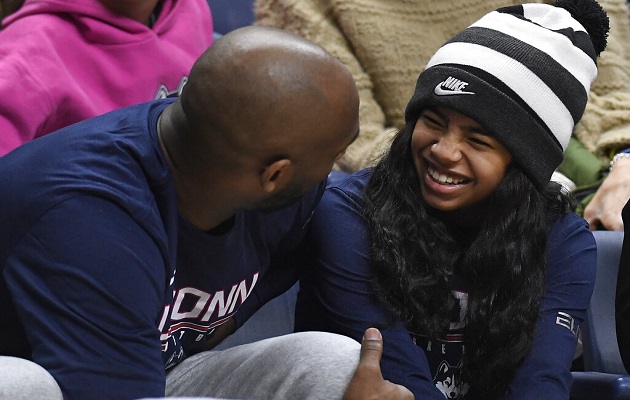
{"type": "Point", "coordinates": [443, 178]}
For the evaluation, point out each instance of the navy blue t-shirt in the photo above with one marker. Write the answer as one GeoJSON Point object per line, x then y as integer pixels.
{"type": "Point", "coordinates": [103, 284]}
{"type": "Point", "coordinates": [336, 295]}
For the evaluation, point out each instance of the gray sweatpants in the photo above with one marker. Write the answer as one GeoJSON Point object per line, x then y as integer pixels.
{"type": "Point", "coordinates": [24, 380]}
{"type": "Point", "coordinates": [307, 365]}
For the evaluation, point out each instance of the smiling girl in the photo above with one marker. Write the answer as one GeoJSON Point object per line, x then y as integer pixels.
{"type": "Point", "coordinates": [457, 245]}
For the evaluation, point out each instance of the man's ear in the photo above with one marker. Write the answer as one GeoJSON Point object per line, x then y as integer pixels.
{"type": "Point", "coordinates": [276, 175]}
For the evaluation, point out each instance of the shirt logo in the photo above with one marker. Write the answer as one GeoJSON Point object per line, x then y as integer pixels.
{"type": "Point", "coordinates": [451, 86]}
{"type": "Point", "coordinates": [565, 320]}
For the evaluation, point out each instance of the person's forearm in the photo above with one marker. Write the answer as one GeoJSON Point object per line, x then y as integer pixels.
{"type": "Point", "coordinates": [604, 210]}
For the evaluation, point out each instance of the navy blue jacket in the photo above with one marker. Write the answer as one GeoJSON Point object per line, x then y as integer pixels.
{"type": "Point", "coordinates": [336, 295]}
{"type": "Point", "coordinates": [103, 284]}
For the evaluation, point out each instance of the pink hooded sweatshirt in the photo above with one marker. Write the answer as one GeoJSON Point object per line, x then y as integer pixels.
{"type": "Point", "coordinates": [63, 61]}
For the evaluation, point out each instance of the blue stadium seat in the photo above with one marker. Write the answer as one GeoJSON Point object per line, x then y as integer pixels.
{"type": "Point", "coordinates": [604, 376]}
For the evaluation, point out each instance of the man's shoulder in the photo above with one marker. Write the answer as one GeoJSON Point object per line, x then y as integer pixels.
{"type": "Point", "coordinates": [108, 156]}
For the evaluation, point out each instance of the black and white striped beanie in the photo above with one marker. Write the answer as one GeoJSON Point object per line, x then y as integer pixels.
{"type": "Point", "coordinates": [523, 73]}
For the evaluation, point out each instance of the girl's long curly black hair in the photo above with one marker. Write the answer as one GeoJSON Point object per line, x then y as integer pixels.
{"type": "Point", "coordinates": [501, 256]}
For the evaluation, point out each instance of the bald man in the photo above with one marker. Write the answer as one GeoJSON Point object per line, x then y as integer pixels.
{"type": "Point", "coordinates": [127, 241]}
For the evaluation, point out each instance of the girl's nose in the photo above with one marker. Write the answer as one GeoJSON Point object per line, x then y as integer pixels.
{"type": "Point", "coordinates": [447, 148]}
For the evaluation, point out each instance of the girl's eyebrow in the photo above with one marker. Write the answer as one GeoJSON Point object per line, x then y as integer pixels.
{"type": "Point", "coordinates": [478, 129]}
{"type": "Point", "coordinates": [433, 110]}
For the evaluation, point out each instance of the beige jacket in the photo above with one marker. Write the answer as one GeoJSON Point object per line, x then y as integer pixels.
{"type": "Point", "coordinates": [386, 43]}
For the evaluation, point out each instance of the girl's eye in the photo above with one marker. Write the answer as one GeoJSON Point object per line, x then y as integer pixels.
{"type": "Point", "coordinates": [480, 142]}
{"type": "Point", "coordinates": [429, 120]}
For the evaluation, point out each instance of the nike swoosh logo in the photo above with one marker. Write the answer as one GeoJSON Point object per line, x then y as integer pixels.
{"type": "Point", "coordinates": [441, 92]}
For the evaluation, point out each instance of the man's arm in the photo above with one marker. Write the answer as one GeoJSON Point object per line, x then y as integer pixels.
{"type": "Point", "coordinates": [88, 284]}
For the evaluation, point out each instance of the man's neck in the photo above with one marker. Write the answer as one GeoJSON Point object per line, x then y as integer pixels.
{"type": "Point", "coordinates": [205, 206]}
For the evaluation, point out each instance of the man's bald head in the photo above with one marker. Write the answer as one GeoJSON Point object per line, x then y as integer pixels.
{"type": "Point", "coordinates": [263, 91]}
{"type": "Point", "coordinates": [263, 117]}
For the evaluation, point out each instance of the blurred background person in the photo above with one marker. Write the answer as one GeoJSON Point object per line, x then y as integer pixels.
{"type": "Point", "coordinates": [65, 61]}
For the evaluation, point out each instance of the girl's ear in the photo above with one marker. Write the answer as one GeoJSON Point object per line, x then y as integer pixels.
{"type": "Point", "coordinates": [276, 175]}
